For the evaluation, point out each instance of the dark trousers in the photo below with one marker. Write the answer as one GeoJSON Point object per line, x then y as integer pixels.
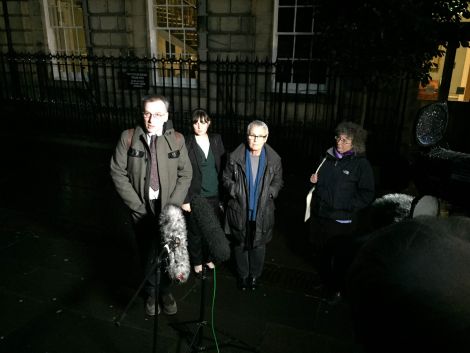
{"type": "Point", "coordinates": [249, 260]}
{"type": "Point", "coordinates": [334, 249]}
{"type": "Point", "coordinates": [197, 247]}
{"type": "Point", "coordinates": [148, 238]}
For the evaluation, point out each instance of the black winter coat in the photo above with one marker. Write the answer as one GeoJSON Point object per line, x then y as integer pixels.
{"type": "Point", "coordinates": [236, 187]}
{"type": "Point", "coordinates": [344, 187]}
{"type": "Point", "coordinates": [218, 150]}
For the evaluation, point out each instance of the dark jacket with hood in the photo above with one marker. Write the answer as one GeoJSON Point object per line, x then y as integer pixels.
{"type": "Point", "coordinates": [345, 186]}
{"type": "Point", "coordinates": [236, 187]}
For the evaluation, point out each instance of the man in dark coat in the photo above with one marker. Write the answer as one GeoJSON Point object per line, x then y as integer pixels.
{"type": "Point", "coordinates": [252, 180]}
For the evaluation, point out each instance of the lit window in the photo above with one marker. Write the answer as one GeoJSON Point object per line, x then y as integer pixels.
{"type": "Point", "coordinates": [175, 27]}
{"type": "Point", "coordinates": [173, 35]}
{"type": "Point", "coordinates": [66, 35]}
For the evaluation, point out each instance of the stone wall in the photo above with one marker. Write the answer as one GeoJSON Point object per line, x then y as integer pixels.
{"type": "Point", "coordinates": [239, 28]}
{"type": "Point", "coordinates": [27, 33]}
{"type": "Point", "coordinates": [108, 27]}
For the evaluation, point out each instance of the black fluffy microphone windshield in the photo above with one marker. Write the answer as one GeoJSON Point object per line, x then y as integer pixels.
{"type": "Point", "coordinates": [173, 230]}
{"type": "Point", "coordinates": [208, 225]}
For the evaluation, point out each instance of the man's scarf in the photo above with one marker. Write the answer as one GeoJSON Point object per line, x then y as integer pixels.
{"type": "Point", "coordinates": [254, 187]}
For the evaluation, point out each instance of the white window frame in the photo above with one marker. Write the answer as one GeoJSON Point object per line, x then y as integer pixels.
{"type": "Point", "coordinates": [52, 45]}
{"type": "Point", "coordinates": [154, 32]}
{"type": "Point", "coordinates": [292, 87]}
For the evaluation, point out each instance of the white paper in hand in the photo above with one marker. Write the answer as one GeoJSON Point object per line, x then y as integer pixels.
{"type": "Point", "coordinates": [309, 195]}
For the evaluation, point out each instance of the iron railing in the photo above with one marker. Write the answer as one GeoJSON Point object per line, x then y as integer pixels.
{"type": "Point", "coordinates": [100, 96]}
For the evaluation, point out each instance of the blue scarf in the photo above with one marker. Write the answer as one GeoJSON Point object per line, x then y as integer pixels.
{"type": "Point", "coordinates": [254, 188]}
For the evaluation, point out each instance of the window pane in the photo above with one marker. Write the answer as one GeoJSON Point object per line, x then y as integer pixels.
{"type": "Point", "coordinates": [169, 49]}
{"type": "Point", "coordinates": [69, 34]}
{"type": "Point", "coordinates": [160, 17]}
{"type": "Point", "coordinates": [304, 19]}
{"type": "Point", "coordinates": [175, 18]}
{"type": "Point", "coordinates": [66, 13]}
{"type": "Point", "coordinates": [286, 20]}
{"type": "Point", "coordinates": [285, 46]}
{"type": "Point", "coordinates": [178, 38]}
{"type": "Point", "coordinates": [78, 17]}
{"type": "Point", "coordinates": [60, 41]}
{"type": "Point", "coordinates": [191, 41]}
{"type": "Point", "coordinates": [81, 40]}
{"type": "Point", "coordinates": [53, 16]}
{"type": "Point", "coordinates": [190, 17]}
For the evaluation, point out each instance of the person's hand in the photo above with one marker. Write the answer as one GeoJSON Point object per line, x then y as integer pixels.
{"type": "Point", "coordinates": [314, 178]}
{"type": "Point", "coordinates": [186, 207]}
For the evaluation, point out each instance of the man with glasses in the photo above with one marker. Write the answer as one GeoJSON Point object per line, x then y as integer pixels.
{"type": "Point", "coordinates": [252, 180]}
{"type": "Point", "coordinates": [150, 168]}
{"type": "Point", "coordinates": [344, 185]}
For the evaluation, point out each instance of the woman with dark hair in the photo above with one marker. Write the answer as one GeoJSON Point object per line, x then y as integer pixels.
{"type": "Point", "coordinates": [344, 185]}
{"type": "Point", "coordinates": [205, 153]}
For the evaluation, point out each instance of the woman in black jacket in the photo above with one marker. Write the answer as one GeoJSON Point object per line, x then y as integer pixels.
{"type": "Point", "coordinates": [344, 185]}
{"type": "Point", "coordinates": [205, 153]}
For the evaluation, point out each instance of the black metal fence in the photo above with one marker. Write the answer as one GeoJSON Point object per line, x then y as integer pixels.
{"type": "Point", "coordinates": [100, 96]}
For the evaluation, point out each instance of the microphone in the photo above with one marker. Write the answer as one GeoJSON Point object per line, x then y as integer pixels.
{"type": "Point", "coordinates": [174, 240]}
{"type": "Point", "coordinates": [208, 225]}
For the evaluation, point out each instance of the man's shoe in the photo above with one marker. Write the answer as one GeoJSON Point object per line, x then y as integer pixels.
{"type": "Point", "coordinates": [169, 304]}
{"type": "Point", "coordinates": [242, 283]}
{"type": "Point", "coordinates": [150, 306]}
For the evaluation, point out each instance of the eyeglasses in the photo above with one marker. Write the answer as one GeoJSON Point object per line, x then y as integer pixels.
{"type": "Point", "coordinates": [257, 137]}
{"type": "Point", "coordinates": [342, 140]}
{"type": "Point", "coordinates": [148, 115]}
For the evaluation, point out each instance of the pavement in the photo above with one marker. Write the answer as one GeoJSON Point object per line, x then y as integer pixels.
{"type": "Point", "coordinates": [69, 268]}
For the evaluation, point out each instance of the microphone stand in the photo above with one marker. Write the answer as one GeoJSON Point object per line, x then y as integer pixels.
{"type": "Point", "coordinates": [156, 271]}
{"type": "Point", "coordinates": [196, 342]}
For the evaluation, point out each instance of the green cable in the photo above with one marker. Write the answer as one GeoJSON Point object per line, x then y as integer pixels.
{"type": "Point", "coordinates": [212, 313]}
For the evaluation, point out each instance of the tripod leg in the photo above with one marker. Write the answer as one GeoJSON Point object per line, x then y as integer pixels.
{"type": "Point", "coordinates": [202, 306]}
{"type": "Point", "coordinates": [134, 297]}
{"type": "Point", "coordinates": [155, 318]}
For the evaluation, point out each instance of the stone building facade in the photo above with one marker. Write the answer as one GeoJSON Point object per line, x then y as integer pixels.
{"type": "Point", "coordinates": [226, 28]}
